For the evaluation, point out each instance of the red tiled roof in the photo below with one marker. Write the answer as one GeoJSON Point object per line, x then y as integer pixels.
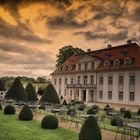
{"type": "Point", "coordinates": [117, 52]}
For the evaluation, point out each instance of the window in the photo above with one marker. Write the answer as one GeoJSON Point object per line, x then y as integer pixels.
{"type": "Point", "coordinates": [70, 67]}
{"type": "Point", "coordinates": [101, 80]}
{"type": "Point", "coordinates": [93, 65]}
{"type": "Point", "coordinates": [92, 79]}
{"type": "Point", "coordinates": [55, 81]}
{"type": "Point", "coordinates": [127, 61]}
{"type": "Point", "coordinates": [107, 63]}
{"type": "Point", "coordinates": [65, 93]}
{"type": "Point", "coordinates": [86, 66]}
{"type": "Point", "coordinates": [64, 68]}
{"type": "Point", "coordinates": [79, 66]}
{"type": "Point", "coordinates": [66, 80]}
{"type": "Point", "coordinates": [110, 95]}
{"type": "Point", "coordinates": [101, 95]}
{"type": "Point", "coordinates": [132, 80]}
{"type": "Point", "coordinates": [85, 80]}
{"type": "Point", "coordinates": [120, 97]}
{"type": "Point", "coordinates": [132, 96]}
{"type": "Point", "coordinates": [110, 80]}
{"type": "Point", "coordinates": [78, 79]}
{"type": "Point", "coordinates": [59, 81]}
{"type": "Point", "coordinates": [117, 62]}
{"type": "Point", "coordinates": [71, 81]}
{"type": "Point", "coordinates": [121, 80]}
{"type": "Point", "coordinates": [59, 92]}
{"type": "Point", "coordinates": [71, 93]}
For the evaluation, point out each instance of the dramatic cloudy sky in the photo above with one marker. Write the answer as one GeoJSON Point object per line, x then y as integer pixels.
{"type": "Point", "coordinates": [32, 31]}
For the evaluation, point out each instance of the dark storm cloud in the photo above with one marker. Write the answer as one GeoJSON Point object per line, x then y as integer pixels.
{"type": "Point", "coordinates": [19, 33]}
{"type": "Point", "coordinates": [62, 22]}
{"type": "Point", "coordinates": [105, 36]}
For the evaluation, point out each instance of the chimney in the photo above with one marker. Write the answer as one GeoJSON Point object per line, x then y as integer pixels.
{"type": "Point", "coordinates": [88, 50]}
{"type": "Point", "coordinates": [109, 46]}
{"type": "Point", "coordinates": [129, 42]}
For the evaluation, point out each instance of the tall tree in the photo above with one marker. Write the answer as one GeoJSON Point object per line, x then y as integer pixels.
{"type": "Point", "coordinates": [32, 96]}
{"type": "Point", "coordinates": [17, 92]}
{"type": "Point", "coordinates": [66, 52]}
{"type": "Point", "coordinates": [50, 95]}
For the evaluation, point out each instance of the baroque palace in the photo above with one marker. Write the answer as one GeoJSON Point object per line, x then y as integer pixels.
{"type": "Point", "coordinates": [109, 75]}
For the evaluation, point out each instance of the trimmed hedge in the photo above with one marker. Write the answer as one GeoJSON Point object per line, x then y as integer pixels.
{"type": "Point", "coordinates": [90, 130]}
{"type": "Point", "coordinates": [50, 95]}
{"type": "Point", "coordinates": [127, 114]}
{"type": "Point", "coordinates": [49, 122]}
{"type": "Point", "coordinates": [91, 111]}
{"type": "Point", "coordinates": [81, 107]}
{"type": "Point", "coordinates": [138, 112]}
{"type": "Point", "coordinates": [26, 113]}
{"type": "Point", "coordinates": [9, 109]}
{"type": "Point", "coordinates": [0, 107]}
{"type": "Point", "coordinates": [17, 92]}
{"type": "Point", "coordinates": [114, 121]}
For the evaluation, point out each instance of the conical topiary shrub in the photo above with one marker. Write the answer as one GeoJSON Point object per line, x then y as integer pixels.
{"type": "Point", "coordinates": [138, 112]}
{"type": "Point", "coordinates": [90, 130]}
{"type": "Point", "coordinates": [31, 93]}
{"type": "Point", "coordinates": [26, 113]}
{"type": "Point", "coordinates": [0, 107]}
{"type": "Point", "coordinates": [64, 102]}
{"type": "Point", "coordinates": [17, 92]}
{"type": "Point", "coordinates": [91, 111]}
{"type": "Point", "coordinates": [49, 122]}
{"type": "Point", "coordinates": [50, 95]}
{"type": "Point", "coordinates": [127, 114]}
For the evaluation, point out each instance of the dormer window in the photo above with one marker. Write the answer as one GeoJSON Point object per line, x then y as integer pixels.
{"type": "Point", "coordinates": [107, 63]}
{"type": "Point", "coordinates": [93, 65]}
{"type": "Point", "coordinates": [64, 68]}
{"type": "Point", "coordinates": [59, 68]}
{"type": "Point", "coordinates": [79, 66]}
{"type": "Point", "coordinates": [70, 67]}
{"type": "Point", "coordinates": [127, 61]}
{"type": "Point", "coordinates": [117, 62]}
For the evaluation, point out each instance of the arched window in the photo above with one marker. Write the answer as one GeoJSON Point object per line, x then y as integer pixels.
{"type": "Point", "coordinates": [127, 61]}
{"type": "Point", "coordinates": [117, 62]}
{"type": "Point", "coordinates": [107, 63]}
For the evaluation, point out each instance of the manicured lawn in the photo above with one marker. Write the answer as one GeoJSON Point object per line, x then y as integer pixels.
{"type": "Point", "coordinates": [13, 129]}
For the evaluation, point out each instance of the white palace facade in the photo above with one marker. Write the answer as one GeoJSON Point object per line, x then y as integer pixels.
{"type": "Point", "coordinates": [109, 75]}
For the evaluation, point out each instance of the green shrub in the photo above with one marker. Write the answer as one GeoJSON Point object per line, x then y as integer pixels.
{"type": "Point", "coordinates": [49, 122]}
{"type": "Point", "coordinates": [9, 109]}
{"type": "Point", "coordinates": [0, 107]}
{"type": "Point", "coordinates": [95, 108]}
{"type": "Point", "coordinates": [81, 107]}
{"type": "Point", "coordinates": [32, 96]}
{"type": "Point", "coordinates": [114, 121]}
{"type": "Point", "coordinates": [64, 102]}
{"type": "Point", "coordinates": [17, 92]}
{"type": "Point", "coordinates": [25, 113]}
{"type": "Point", "coordinates": [107, 107]}
{"type": "Point", "coordinates": [138, 112]}
{"type": "Point", "coordinates": [91, 111]}
{"type": "Point", "coordinates": [50, 95]}
{"type": "Point", "coordinates": [90, 130]}
{"type": "Point", "coordinates": [127, 114]}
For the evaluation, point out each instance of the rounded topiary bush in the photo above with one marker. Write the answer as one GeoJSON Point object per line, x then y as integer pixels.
{"type": "Point", "coordinates": [95, 108]}
{"type": "Point", "coordinates": [91, 111]}
{"type": "Point", "coordinates": [81, 107]}
{"type": "Point", "coordinates": [90, 130]}
{"type": "Point", "coordinates": [9, 109]}
{"type": "Point", "coordinates": [138, 112]}
{"type": "Point", "coordinates": [127, 114]}
{"type": "Point", "coordinates": [49, 122]}
{"type": "Point", "coordinates": [26, 113]}
{"type": "Point", "coordinates": [0, 107]}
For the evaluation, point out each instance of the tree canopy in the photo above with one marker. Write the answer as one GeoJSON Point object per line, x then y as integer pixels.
{"type": "Point", "coordinates": [66, 52]}
{"type": "Point", "coordinates": [32, 96]}
{"type": "Point", "coordinates": [17, 92]}
{"type": "Point", "coordinates": [2, 87]}
{"type": "Point", "coordinates": [50, 95]}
